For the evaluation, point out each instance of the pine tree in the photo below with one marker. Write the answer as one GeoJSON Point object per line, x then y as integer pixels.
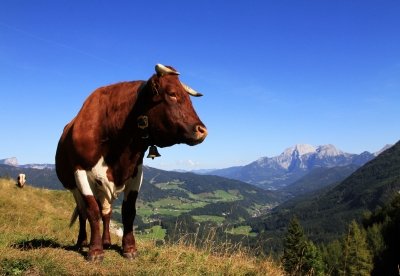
{"type": "Point", "coordinates": [313, 263]}
{"type": "Point", "coordinates": [294, 245]}
{"type": "Point", "coordinates": [357, 259]}
{"type": "Point", "coordinates": [376, 242]}
{"type": "Point", "coordinates": [300, 256]}
{"type": "Point", "coordinates": [332, 255]}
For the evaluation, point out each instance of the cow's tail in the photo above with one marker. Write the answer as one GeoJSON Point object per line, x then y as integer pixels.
{"type": "Point", "coordinates": [74, 216]}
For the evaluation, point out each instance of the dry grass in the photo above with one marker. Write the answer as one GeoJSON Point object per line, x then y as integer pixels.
{"type": "Point", "coordinates": [35, 240]}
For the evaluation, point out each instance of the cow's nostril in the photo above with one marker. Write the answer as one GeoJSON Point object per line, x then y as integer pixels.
{"type": "Point", "coordinates": [202, 130]}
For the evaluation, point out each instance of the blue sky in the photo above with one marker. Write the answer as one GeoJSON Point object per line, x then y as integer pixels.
{"type": "Point", "coordinates": [273, 73]}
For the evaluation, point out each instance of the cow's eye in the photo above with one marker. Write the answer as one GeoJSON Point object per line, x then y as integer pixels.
{"type": "Point", "coordinates": [172, 95]}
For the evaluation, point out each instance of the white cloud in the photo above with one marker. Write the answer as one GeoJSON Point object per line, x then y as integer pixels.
{"type": "Point", "coordinates": [188, 163]}
{"type": "Point", "coordinates": [182, 164]}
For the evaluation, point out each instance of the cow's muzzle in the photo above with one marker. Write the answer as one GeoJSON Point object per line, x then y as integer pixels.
{"type": "Point", "coordinates": [199, 134]}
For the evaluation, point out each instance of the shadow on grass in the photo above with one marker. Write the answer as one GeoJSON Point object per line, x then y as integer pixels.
{"type": "Point", "coordinates": [35, 244]}
{"type": "Point", "coordinates": [25, 245]}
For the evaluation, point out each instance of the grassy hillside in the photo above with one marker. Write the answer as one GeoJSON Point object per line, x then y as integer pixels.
{"type": "Point", "coordinates": [35, 240]}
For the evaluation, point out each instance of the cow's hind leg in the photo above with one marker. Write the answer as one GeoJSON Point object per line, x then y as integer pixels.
{"type": "Point", "coordinates": [80, 211]}
{"type": "Point", "coordinates": [106, 217]}
{"type": "Point", "coordinates": [93, 215]}
{"type": "Point", "coordinates": [106, 211]}
{"type": "Point", "coordinates": [106, 230]}
{"type": "Point", "coordinates": [96, 246]}
{"type": "Point", "coordinates": [82, 236]}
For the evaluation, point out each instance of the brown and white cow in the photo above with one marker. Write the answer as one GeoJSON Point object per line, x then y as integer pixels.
{"type": "Point", "coordinates": [21, 180]}
{"type": "Point", "coordinates": [100, 152]}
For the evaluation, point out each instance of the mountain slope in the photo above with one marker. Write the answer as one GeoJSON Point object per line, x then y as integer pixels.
{"type": "Point", "coordinates": [319, 178]}
{"type": "Point", "coordinates": [325, 214]}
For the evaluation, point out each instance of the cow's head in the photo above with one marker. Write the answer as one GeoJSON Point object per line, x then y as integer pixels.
{"type": "Point", "coordinates": [171, 116]}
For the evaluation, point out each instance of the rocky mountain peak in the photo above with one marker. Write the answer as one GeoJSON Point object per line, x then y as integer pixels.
{"type": "Point", "coordinates": [305, 156]}
{"type": "Point", "coordinates": [328, 150]}
{"type": "Point", "coordinates": [299, 150]}
{"type": "Point", "coordinates": [13, 161]}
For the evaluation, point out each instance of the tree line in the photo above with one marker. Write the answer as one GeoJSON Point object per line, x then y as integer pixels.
{"type": "Point", "coordinates": [369, 248]}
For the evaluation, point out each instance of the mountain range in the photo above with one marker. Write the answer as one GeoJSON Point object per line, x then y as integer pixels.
{"type": "Point", "coordinates": [324, 214]}
{"type": "Point", "coordinates": [274, 173]}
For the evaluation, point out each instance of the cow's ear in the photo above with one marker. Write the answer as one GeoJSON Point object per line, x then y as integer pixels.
{"type": "Point", "coordinates": [154, 85]}
{"type": "Point", "coordinates": [151, 89]}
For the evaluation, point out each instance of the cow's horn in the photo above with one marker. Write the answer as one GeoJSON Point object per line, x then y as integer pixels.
{"type": "Point", "coordinates": [163, 70]}
{"type": "Point", "coordinates": [191, 91]}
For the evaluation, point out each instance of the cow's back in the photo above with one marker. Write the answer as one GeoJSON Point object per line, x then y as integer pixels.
{"type": "Point", "coordinates": [102, 115]}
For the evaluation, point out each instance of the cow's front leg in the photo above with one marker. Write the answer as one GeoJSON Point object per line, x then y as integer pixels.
{"type": "Point", "coordinates": [93, 215]}
{"type": "Point", "coordinates": [128, 216]}
{"type": "Point", "coordinates": [128, 211]}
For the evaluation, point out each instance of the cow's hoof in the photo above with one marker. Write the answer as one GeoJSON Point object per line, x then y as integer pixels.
{"type": "Point", "coordinates": [95, 257]}
{"type": "Point", "coordinates": [106, 242]}
{"type": "Point", "coordinates": [77, 247]}
{"type": "Point", "coordinates": [81, 244]}
{"type": "Point", "coordinates": [130, 255]}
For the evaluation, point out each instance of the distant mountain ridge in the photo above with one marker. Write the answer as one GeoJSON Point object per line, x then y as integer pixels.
{"type": "Point", "coordinates": [292, 164]}
{"type": "Point", "coordinates": [13, 161]}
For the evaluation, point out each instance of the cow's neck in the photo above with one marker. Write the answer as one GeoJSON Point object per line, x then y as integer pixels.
{"type": "Point", "coordinates": [124, 148]}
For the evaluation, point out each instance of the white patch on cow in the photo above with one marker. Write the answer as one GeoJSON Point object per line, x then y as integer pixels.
{"type": "Point", "coordinates": [88, 183]}
{"type": "Point", "coordinates": [99, 174]}
{"type": "Point", "coordinates": [134, 183]}
{"type": "Point", "coordinates": [82, 182]}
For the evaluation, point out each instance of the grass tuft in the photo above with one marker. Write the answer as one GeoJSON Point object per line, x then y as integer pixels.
{"type": "Point", "coordinates": [14, 267]}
